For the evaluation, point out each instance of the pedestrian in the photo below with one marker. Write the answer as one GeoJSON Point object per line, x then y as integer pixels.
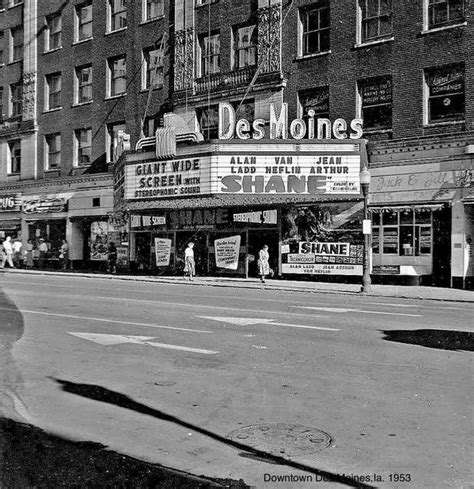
{"type": "Point", "coordinates": [112, 258]}
{"type": "Point", "coordinates": [29, 254]}
{"type": "Point", "coordinates": [262, 263]}
{"type": "Point", "coordinates": [189, 264]}
{"type": "Point", "coordinates": [43, 250]}
{"type": "Point", "coordinates": [63, 254]}
{"type": "Point", "coordinates": [7, 252]}
{"type": "Point", "coordinates": [17, 258]}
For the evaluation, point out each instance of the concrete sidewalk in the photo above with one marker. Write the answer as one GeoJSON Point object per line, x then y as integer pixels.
{"type": "Point", "coordinates": [408, 292]}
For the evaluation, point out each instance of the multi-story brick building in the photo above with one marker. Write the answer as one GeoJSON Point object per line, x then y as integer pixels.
{"type": "Point", "coordinates": [405, 68]}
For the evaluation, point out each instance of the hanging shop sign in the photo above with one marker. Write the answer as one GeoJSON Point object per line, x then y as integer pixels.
{"type": "Point", "coordinates": [137, 221]}
{"type": "Point", "coordinates": [260, 217]}
{"type": "Point", "coordinates": [227, 252]}
{"type": "Point", "coordinates": [44, 204]}
{"type": "Point", "coordinates": [162, 252]}
{"type": "Point", "coordinates": [10, 202]}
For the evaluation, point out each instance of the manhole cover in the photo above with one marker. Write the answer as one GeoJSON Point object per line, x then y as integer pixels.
{"type": "Point", "coordinates": [282, 439]}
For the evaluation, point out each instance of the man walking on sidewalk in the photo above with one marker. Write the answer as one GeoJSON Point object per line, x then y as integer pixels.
{"type": "Point", "coordinates": [7, 252]}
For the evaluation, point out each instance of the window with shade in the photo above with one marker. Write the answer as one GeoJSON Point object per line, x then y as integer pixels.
{"type": "Point", "coordinates": [53, 151]}
{"type": "Point", "coordinates": [245, 46]}
{"type": "Point", "coordinates": [153, 68]}
{"type": "Point", "coordinates": [315, 99]}
{"type": "Point", "coordinates": [376, 19]}
{"type": "Point", "coordinates": [84, 84]}
{"type": "Point", "coordinates": [83, 21]}
{"type": "Point", "coordinates": [210, 54]}
{"type": "Point", "coordinates": [16, 44]}
{"type": "Point", "coordinates": [83, 143]}
{"type": "Point", "coordinates": [117, 14]}
{"type": "Point", "coordinates": [53, 86]}
{"type": "Point", "coordinates": [153, 9]}
{"type": "Point", "coordinates": [117, 76]}
{"type": "Point", "coordinates": [14, 163]}
{"type": "Point", "coordinates": [16, 99]}
{"type": "Point", "coordinates": [376, 102]}
{"type": "Point", "coordinates": [112, 138]}
{"type": "Point", "coordinates": [54, 33]}
{"type": "Point", "coordinates": [443, 13]}
{"type": "Point", "coordinates": [208, 118]}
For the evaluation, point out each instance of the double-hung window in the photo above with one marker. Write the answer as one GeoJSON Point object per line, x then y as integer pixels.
{"type": "Point", "coordinates": [315, 28]}
{"type": "Point", "coordinates": [16, 44]}
{"type": "Point", "coordinates": [245, 42]}
{"type": "Point", "coordinates": [14, 163]}
{"type": "Point", "coordinates": [16, 99]}
{"type": "Point", "coordinates": [112, 138]}
{"type": "Point", "coordinates": [2, 48]}
{"type": "Point", "coordinates": [83, 21]}
{"type": "Point", "coordinates": [315, 99]}
{"type": "Point", "coordinates": [117, 70]}
{"type": "Point", "coordinates": [153, 68]}
{"type": "Point", "coordinates": [376, 102]}
{"type": "Point", "coordinates": [53, 85]}
{"type": "Point", "coordinates": [445, 94]}
{"type": "Point", "coordinates": [83, 146]}
{"type": "Point", "coordinates": [153, 9]}
{"type": "Point", "coordinates": [442, 13]}
{"type": "Point", "coordinates": [210, 54]}
{"type": "Point", "coordinates": [53, 151]}
{"type": "Point", "coordinates": [83, 84]}
{"type": "Point", "coordinates": [117, 14]}
{"type": "Point", "coordinates": [376, 19]}
{"type": "Point", "coordinates": [53, 32]}
{"type": "Point", "coordinates": [208, 118]}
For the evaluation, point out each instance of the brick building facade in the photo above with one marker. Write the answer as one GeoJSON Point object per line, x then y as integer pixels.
{"type": "Point", "coordinates": [405, 68]}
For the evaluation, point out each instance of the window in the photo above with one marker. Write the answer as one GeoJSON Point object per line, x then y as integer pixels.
{"type": "Point", "coordinates": [16, 99]}
{"type": "Point", "coordinates": [83, 146]}
{"type": "Point", "coordinates": [245, 51]}
{"type": "Point", "coordinates": [210, 54]}
{"type": "Point", "coordinates": [83, 22]}
{"type": "Point", "coordinates": [53, 151]}
{"type": "Point", "coordinates": [316, 99]}
{"type": "Point", "coordinates": [445, 90]}
{"type": "Point", "coordinates": [16, 44]}
{"type": "Point", "coordinates": [151, 124]}
{"type": "Point", "coordinates": [14, 164]}
{"type": "Point", "coordinates": [376, 102]}
{"type": "Point", "coordinates": [405, 232]}
{"type": "Point", "coordinates": [246, 110]}
{"type": "Point", "coordinates": [112, 138]}
{"type": "Point", "coordinates": [1, 47]}
{"type": "Point", "coordinates": [53, 86]}
{"type": "Point", "coordinates": [443, 13]}
{"type": "Point", "coordinates": [117, 76]}
{"type": "Point", "coordinates": [315, 29]}
{"type": "Point", "coordinates": [53, 33]}
{"type": "Point", "coordinates": [152, 9]}
{"type": "Point", "coordinates": [376, 19]}
{"type": "Point", "coordinates": [83, 84]}
{"type": "Point", "coordinates": [1, 104]}
{"type": "Point", "coordinates": [117, 14]}
{"type": "Point", "coordinates": [153, 68]}
{"type": "Point", "coordinates": [208, 118]}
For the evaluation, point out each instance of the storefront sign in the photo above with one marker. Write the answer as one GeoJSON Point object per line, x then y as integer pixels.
{"type": "Point", "coordinates": [227, 252]}
{"type": "Point", "coordinates": [44, 205]}
{"type": "Point", "coordinates": [146, 221]}
{"type": "Point", "coordinates": [162, 252]}
{"type": "Point", "coordinates": [260, 217]}
{"type": "Point", "coordinates": [298, 174]}
{"type": "Point", "coordinates": [172, 178]}
{"type": "Point", "coordinates": [328, 249]}
{"type": "Point", "coordinates": [10, 202]}
{"type": "Point", "coordinates": [322, 269]}
{"type": "Point", "coordinates": [386, 269]}
{"type": "Point", "coordinates": [197, 218]}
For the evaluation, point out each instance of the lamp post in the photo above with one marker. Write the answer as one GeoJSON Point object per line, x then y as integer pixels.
{"type": "Point", "coordinates": [366, 229]}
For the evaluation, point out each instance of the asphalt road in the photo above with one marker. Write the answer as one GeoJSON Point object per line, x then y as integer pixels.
{"type": "Point", "coordinates": [170, 373]}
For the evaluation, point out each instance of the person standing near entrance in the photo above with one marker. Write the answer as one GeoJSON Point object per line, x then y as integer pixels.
{"type": "Point", "coordinates": [17, 258]}
{"type": "Point", "coordinates": [112, 258]}
{"type": "Point", "coordinates": [63, 254]}
{"type": "Point", "coordinates": [262, 263]}
{"type": "Point", "coordinates": [29, 254]}
{"type": "Point", "coordinates": [189, 264]}
{"type": "Point", "coordinates": [7, 249]}
{"type": "Point", "coordinates": [43, 250]}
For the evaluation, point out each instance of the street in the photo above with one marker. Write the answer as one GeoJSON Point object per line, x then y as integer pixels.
{"type": "Point", "coordinates": [326, 390]}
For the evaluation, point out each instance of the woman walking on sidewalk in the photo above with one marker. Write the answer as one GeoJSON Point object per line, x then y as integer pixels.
{"type": "Point", "coordinates": [189, 264]}
{"type": "Point", "coordinates": [262, 263]}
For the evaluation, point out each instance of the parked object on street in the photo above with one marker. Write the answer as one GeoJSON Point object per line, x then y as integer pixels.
{"type": "Point", "coordinates": [189, 263]}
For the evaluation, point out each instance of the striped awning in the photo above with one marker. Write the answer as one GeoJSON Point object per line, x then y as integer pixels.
{"type": "Point", "coordinates": [403, 208]}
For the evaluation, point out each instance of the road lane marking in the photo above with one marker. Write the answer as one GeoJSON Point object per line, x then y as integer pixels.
{"type": "Point", "coordinates": [128, 323]}
{"type": "Point", "coordinates": [271, 322]}
{"type": "Point", "coordinates": [344, 310]}
{"type": "Point", "coordinates": [393, 304]}
{"type": "Point", "coordinates": [114, 339]}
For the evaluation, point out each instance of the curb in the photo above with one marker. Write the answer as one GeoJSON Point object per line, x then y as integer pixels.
{"type": "Point", "coordinates": [244, 285]}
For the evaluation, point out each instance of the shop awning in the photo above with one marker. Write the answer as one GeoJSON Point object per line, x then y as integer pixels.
{"type": "Point", "coordinates": [402, 208]}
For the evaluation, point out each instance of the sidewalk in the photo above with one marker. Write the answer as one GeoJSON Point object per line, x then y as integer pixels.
{"type": "Point", "coordinates": [399, 291]}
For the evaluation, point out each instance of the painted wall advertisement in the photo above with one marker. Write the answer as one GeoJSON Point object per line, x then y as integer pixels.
{"type": "Point", "coordinates": [323, 239]}
{"type": "Point", "coordinates": [162, 252]}
{"type": "Point", "coordinates": [227, 252]}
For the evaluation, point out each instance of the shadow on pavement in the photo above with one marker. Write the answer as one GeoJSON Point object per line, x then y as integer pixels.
{"type": "Point", "coordinates": [98, 393]}
{"type": "Point", "coordinates": [11, 380]}
{"type": "Point", "coordinates": [31, 458]}
{"type": "Point", "coordinates": [440, 339]}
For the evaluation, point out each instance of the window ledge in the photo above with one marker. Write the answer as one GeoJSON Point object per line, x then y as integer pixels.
{"type": "Point", "coordinates": [78, 167]}
{"type": "Point", "coordinates": [426, 32]}
{"type": "Point", "coordinates": [315, 55]}
{"type": "Point", "coordinates": [146, 90]}
{"type": "Point", "coordinates": [378, 131]}
{"type": "Point", "coordinates": [204, 4]}
{"type": "Point", "coordinates": [114, 97]}
{"type": "Point", "coordinates": [444, 123]}
{"type": "Point", "coordinates": [52, 170]}
{"type": "Point", "coordinates": [108, 33]}
{"type": "Point", "coordinates": [82, 41]}
{"type": "Point", "coordinates": [149, 21]}
{"type": "Point", "coordinates": [375, 42]}
{"type": "Point", "coordinates": [13, 174]}
{"type": "Point", "coordinates": [53, 50]}
{"type": "Point", "coordinates": [12, 62]}
{"type": "Point", "coordinates": [47, 111]}
{"type": "Point", "coordinates": [16, 5]}
{"type": "Point", "coordinates": [82, 103]}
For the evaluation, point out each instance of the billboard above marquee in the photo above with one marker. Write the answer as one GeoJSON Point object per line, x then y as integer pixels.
{"type": "Point", "coordinates": [330, 169]}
